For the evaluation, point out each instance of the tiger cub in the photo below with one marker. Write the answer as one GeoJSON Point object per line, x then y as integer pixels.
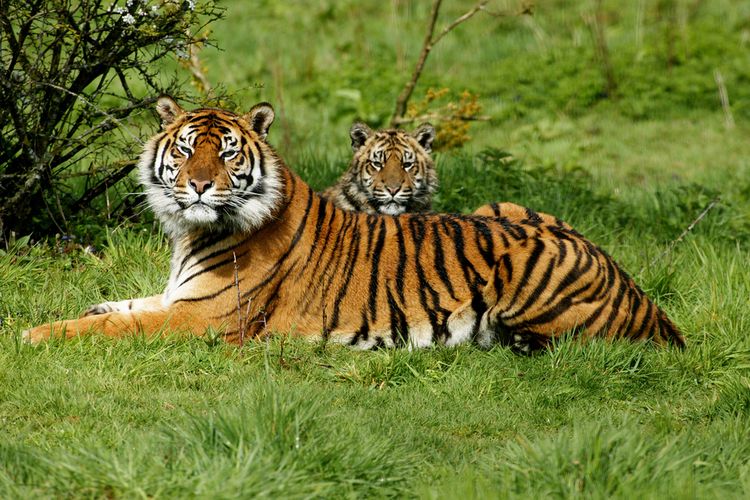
{"type": "Point", "coordinates": [391, 172]}
{"type": "Point", "coordinates": [256, 252]}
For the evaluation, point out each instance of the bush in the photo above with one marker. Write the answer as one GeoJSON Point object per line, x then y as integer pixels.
{"type": "Point", "coordinates": [68, 84]}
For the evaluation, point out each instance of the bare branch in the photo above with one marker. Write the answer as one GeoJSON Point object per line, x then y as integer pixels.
{"type": "Point", "coordinates": [468, 15]}
{"type": "Point", "coordinates": [406, 93]}
{"type": "Point", "coordinates": [89, 103]}
{"type": "Point", "coordinates": [690, 227]}
{"type": "Point", "coordinates": [239, 298]}
{"type": "Point", "coordinates": [430, 40]}
{"type": "Point", "coordinates": [124, 168]}
{"type": "Point", "coordinates": [437, 117]}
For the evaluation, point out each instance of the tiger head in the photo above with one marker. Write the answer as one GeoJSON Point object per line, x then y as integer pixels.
{"type": "Point", "coordinates": [392, 169]}
{"type": "Point", "coordinates": [211, 169]}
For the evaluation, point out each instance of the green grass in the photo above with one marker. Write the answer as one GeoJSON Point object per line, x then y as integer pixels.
{"type": "Point", "coordinates": [182, 418]}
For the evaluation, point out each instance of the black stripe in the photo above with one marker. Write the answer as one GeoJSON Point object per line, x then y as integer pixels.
{"type": "Point", "coordinates": [332, 268]}
{"type": "Point", "coordinates": [295, 239]}
{"type": "Point", "coordinates": [194, 251]}
{"type": "Point", "coordinates": [466, 266]}
{"type": "Point", "coordinates": [417, 230]}
{"type": "Point", "coordinates": [212, 295]}
{"type": "Point", "coordinates": [483, 241]}
{"type": "Point", "coordinates": [532, 218]}
{"type": "Point", "coordinates": [573, 275]}
{"type": "Point", "coordinates": [401, 267]}
{"type": "Point", "coordinates": [399, 326]}
{"type": "Point", "coordinates": [517, 232]}
{"type": "Point", "coordinates": [363, 332]}
{"type": "Point", "coordinates": [348, 271]}
{"type": "Point", "coordinates": [442, 272]}
{"type": "Point", "coordinates": [212, 267]}
{"type": "Point", "coordinates": [528, 269]}
{"type": "Point", "coordinates": [322, 207]}
{"type": "Point", "coordinates": [534, 295]}
{"type": "Point", "coordinates": [617, 301]}
{"type": "Point", "coordinates": [375, 264]}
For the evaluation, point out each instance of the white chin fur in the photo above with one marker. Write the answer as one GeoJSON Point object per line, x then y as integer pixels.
{"type": "Point", "coordinates": [199, 214]}
{"type": "Point", "coordinates": [391, 209]}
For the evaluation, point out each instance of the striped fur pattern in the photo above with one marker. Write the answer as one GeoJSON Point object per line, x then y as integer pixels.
{"type": "Point", "coordinates": [391, 172]}
{"type": "Point", "coordinates": [519, 214]}
{"type": "Point", "coordinates": [307, 267]}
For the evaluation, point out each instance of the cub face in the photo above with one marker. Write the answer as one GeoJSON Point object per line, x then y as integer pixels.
{"type": "Point", "coordinates": [395, 170]}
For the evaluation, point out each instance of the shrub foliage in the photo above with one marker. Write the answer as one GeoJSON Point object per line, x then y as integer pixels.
{"type": "Point", "coordinates": [72, 72]}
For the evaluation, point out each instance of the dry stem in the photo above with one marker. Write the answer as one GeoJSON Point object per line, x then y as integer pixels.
{"type": "Point", "coordinates": [690, 227]}
{"type": "Point", "coordinates": [429, 42]}
{"type": "Point", "coordinates": [239, 303]}
{"type": "Point", "coordinates": [724, 97]}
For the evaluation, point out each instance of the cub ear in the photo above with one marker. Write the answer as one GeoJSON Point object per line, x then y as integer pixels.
{"type": "Point", "coordinates": [359, 134]}
{"type": "Point", "coordinates": [424, 135]}
{"type": "Point", "coordinates": [168, 110]}
{"type": "Point", "coordinates": [260, 118]}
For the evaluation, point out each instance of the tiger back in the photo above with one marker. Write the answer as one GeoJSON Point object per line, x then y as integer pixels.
{"type": "Point", "coordinates": [391, 172]}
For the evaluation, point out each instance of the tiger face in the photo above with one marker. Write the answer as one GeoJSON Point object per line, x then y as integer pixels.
{"type": "Point", "coordinates": [206, 169]}
{"type": "Point", "coordinates": [391, 171]}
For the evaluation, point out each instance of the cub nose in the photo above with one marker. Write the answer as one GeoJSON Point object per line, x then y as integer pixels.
{"type": "Point", "coordinates": [200, 187]}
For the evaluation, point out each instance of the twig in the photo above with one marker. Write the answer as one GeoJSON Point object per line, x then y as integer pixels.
{"type": "Point", "coordinates": [101, 187]}
{"type": "Point", "coordinates": [246, 325]}
{"type": "Point", "coordinates": [437, 117]}
{"type": "Point", "coordinates": [326, 332]}
{"type": "Point", "coordinates": [724, 97]}
{"type": "Point", "coordinates": [690, 227]}
{"type": "Point", "coordinates": [90, 104]}
{"type": "Point", "coordinates": [197, 71]}
{"type": "Point", "coordinates": [468, 15]}
{"type": "Point", "coordinates": [429, 42]}
{"type": "Point", "coordinates": [239, 304]}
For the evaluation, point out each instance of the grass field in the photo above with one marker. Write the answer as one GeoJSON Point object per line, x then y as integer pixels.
{"type": "Point", "coordinates": [182, 418]}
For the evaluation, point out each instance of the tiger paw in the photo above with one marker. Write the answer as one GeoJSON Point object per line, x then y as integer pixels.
{"type": "Point", "coordinates": [103, 308]}
{"type": "Point", "coordinates": [108, 307]}
{"type": "Point", "coordinates": [36, 335]}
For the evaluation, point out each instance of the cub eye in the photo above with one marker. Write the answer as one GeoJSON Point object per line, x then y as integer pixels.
{"type": "Point", "coordinates": [408, 165]}
{"type": "Point", "coordinates": [184, 150]}
{"type": "Point", "coordinates": [376, 164]}
{"type": "Point", "coordinates": [228, 155]}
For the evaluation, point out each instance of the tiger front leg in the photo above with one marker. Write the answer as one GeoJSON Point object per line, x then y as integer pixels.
{"type": "Point", "coordinates": [153, 303]}
{"type": "Point", "coordinates": [117, 324]}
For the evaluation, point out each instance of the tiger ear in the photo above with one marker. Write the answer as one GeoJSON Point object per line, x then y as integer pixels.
{"type": "Point", "coordinates": [424, 135]}
{"type": "Point", "coordinates": [260, 118]}
{"type": "Point", "coordinates": [359, 134]}
{"type": "Point", "coordinates": [168, 110]}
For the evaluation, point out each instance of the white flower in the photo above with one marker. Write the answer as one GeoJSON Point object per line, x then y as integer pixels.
{"type": "Point", "coordinates": [128, 19]}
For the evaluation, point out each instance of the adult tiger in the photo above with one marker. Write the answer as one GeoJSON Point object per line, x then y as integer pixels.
{"type": "Point", "coordinates": [391, 172]}
{"type": "Point", "coordinates": [306, 267]}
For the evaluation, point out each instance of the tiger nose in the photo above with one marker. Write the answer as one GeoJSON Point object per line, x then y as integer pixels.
{"type": "Point", "coordinates": [393, 189]}
{"type": "Point", "coordinates": [201, 187]}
